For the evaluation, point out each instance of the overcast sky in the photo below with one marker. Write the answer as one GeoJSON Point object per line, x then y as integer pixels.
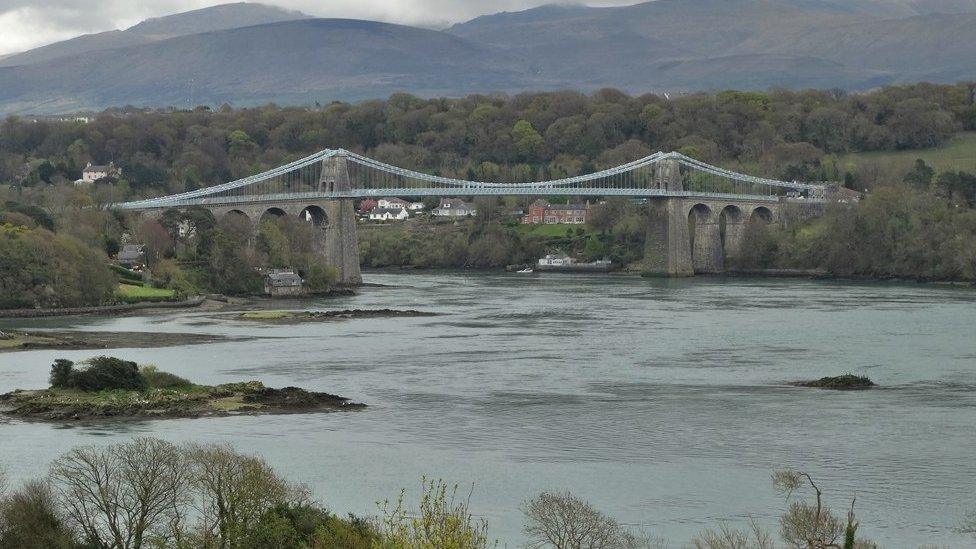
{"type": "Point", "coordinates": [26, 24]}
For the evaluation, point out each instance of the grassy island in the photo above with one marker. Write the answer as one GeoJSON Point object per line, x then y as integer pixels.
{"type": "Point", "coordinates": [846, 382]}
{"type": "Point", "coordinates": [108, 387]}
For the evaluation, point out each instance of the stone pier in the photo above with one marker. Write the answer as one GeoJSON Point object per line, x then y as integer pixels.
{"type": "Point", "coordinates": [686, 235]}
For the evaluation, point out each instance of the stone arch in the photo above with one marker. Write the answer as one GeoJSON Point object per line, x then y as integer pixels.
{"type": "Point", "coordinates": [731, 224]}
{"type": "Point", "coordinates": [273, 213]}
{"type": "Point", "coordinates": [762, 213]}
{"type": "Point", "coordinates": [238, 224]}
{"type": "Point", "coordinates": [314, 215]}
{"type": "Point", "coordinates": [237, 214]}
{"type": "Point", "coordinates": [706, 240]}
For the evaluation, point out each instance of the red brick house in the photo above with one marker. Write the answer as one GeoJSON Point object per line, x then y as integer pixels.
{"type": "Point", "coordinates": [542, 212]}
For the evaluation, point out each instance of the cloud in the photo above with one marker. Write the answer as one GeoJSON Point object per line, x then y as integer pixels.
{"type": "Point", "coordinates": [26, 24]}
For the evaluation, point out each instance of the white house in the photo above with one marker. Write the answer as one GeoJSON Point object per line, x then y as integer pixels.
{"type": "Point", "coordinates": [93, 173]}
{"type": "Point", "coordinates": [392, 204]}
{"type": "Point", "coordinates": [415, 206]}
{"type": "Point", "coordinates": [386, 214]}
{"type": "Point", "coordinates": [556, 260]}
{"type": "Point", "coordinates": [454, 207]}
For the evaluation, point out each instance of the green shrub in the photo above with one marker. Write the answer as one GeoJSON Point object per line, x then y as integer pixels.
{"type": "Point", "coordinates": [156, 379]}
{"type": "Point", "coordinates": [61, 372]}
{"type": "Point", "coordinates": [31, 519]}
{"type": "Point", "coordinates": [131, 277]}
{"type": "Point", "coordinates": [299, 526]}
{"type": "Point", "coordinates": [107, 373]}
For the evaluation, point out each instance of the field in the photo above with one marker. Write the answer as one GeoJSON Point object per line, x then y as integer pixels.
{"type": "Point", "coordinates": [958, 154]}
{"type": "Point", "coordinates": [131, 292]}
{"type": "Point", "coordinates": [558, 230]}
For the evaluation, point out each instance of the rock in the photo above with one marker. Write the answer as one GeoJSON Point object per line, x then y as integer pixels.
{"type": "Point", "coordinates": [846, 382]}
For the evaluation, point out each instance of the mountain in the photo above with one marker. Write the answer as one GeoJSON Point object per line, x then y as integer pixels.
{"type": "Point", "coordinates": [290, 62]}
{"type": "Point", "coordinates": [226, 16]}
{"type": "Point", "coordinates": [706, 44]}
{"type": "Point", "coordinates": [234, 54]}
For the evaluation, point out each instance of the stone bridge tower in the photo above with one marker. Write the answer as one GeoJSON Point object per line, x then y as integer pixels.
{"type": "Point", "coordinates": [341, 238]}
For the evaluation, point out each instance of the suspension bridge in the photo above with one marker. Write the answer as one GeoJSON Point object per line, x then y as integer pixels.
{"type": "Point", "coordinates": [320, 175]}
{"type": "Point", "coordinates": [697, 212]}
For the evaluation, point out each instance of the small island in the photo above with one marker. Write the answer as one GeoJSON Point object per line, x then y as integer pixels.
{"type": "Point", "coordinates": [111, 388]}
{"type": "Point", "coordinates": [846, 382]}
{"type": "Point", "coordinates": [314, 316]}
{"type": "Point", "coordinates": [12, 341]}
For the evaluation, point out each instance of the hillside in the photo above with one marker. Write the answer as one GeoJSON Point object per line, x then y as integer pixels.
{"type": "Point", "coordinates": [245, 54]}
{"type": "Point", "coordinates": [959, 154]}
{"type": "Point", "coordinates": [294, 61]}
{"type": "Point", "coordinates": [226, 16]}
{"type": "Point", "coordinates": [711, 44]}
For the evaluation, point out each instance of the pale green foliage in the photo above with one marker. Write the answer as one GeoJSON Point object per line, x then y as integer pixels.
{"type": "Point", "coordinates": [528, 142]}
{"type": "Point", "coordinates": [442, 521]}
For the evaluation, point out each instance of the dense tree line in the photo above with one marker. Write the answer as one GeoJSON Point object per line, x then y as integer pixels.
{"type": "Point", "coordinates": [908, 230]}
{"type": "Point", "coordinates": [780, 133]}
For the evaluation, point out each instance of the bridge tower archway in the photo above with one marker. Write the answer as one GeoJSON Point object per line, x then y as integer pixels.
{"type": "Point", "coordinates": [732, 224]}
{"type": "Point", "coordinates": [314, 215]}
{"type": "Point", "coordinates": [273, 213]}
{"type": "Point", "coordinates": [762, 214]}
{"type": "Point", "coordinates": [706, 240]}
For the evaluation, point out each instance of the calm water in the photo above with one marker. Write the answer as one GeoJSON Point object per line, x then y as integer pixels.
{"type": "Point", "coordinates": [662, 402]}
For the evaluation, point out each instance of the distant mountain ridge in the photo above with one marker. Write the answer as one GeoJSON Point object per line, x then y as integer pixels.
{"type": "Point", "coordinates": [248, 53]}
{"type": "Point", "coordinates": [225, 16]}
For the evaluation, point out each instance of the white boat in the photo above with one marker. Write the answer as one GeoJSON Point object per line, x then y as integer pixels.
{"type": "Point", "coordinates": [527, 270]}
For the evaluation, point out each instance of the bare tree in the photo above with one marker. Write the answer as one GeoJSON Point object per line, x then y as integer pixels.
{"type": "Point", "coordinates": [564, 521]}
{"type": "Point", "coordinates": [120, 495]}
{"type": "Point", "coordinates": [233, 490]}
{"type": "Point", "coordinates": [728, 537]}
{"type": "Point", "coordinates": [811, 526]}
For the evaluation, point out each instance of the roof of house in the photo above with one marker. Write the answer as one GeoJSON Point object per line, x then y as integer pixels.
{"type": "Point", "coordinates": [92, 168]}
{"type": "Point", "coordinates": [280, 279]}
{"type": "Point", "coordinates": [382, 211]}
{"type": "Point", "coordinates": [131, 251]}
{"type": "Point", "coordinates": [396, 200]}
{"type": "Point", "coordinates": [455, 204]}
{"type": "Point", "coordinates": [567, 207]}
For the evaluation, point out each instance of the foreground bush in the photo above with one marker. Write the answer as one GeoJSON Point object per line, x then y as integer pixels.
{"type": "Point", "coordinates": [32, 519]}
{"type": "Point", "coordinates": [443, 520]}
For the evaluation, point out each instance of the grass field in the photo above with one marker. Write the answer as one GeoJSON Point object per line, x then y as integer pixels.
{"type": "Point", "coordinates": [129, 291]}
{"type": "Point", "coordinates": [958, 154]}
{"type": "Point", "coordinates": [549, 230]}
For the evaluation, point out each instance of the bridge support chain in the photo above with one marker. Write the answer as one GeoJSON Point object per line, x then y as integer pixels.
{"type": "Point", "coordinates": [666, 250]}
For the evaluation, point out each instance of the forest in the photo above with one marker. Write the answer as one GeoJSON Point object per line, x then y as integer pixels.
{"type": "Point", "coordinates": [56, 236]}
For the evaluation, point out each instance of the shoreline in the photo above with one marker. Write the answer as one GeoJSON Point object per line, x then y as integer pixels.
{"type": "Point", "coordinates": [220, 301]}
{"type": "Point", "coordinates": [103, 309]}
{"type": "Point", "coordinates": [629, 270]}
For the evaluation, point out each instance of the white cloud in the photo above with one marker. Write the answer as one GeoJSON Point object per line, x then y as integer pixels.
{"type": "Point", "coordinates": [26, 24]}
